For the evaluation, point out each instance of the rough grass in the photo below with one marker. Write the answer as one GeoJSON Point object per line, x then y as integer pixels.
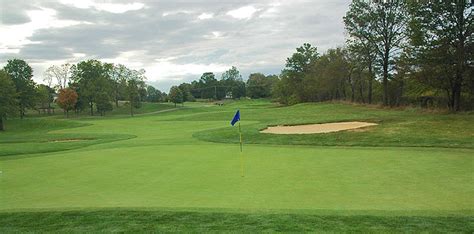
{"type": "Point", "coordinates": [404, 128]}
{"type": "Point", "coordinates": [180, 221]}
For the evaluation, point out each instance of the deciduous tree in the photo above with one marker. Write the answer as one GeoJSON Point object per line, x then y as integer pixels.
{"type": "Point", "coordinates": [442, 33]}
{"type": "Point", "coordinates": [67, 99]}
{"type": "Point", "coordinates": [8, 98]}
{"type": "Point", "coordinates": [21, 74]}
{"type": "Point", "coordinates": [175, 95]}
{"type": "Point", "coordinates": [378, 25]}
{"type": "Point", "coordinates": [61, 74]}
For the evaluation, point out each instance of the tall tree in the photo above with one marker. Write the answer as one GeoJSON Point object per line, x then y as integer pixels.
{"type": "Point", "coordinates": [442, 33]}
{"type": "Point", "coordinates": [133, 95]}
{"type": "Point", "coordinates": [8, 95]}
{"type": "Point", "coordinates": [44, 97]}
{"type": "Point", "coordinates": [186, 90]}
{"type": "Point", "coordinates": [93, 80]}
{"type": "Point", "coordinates": [136, 88]}
{"type": "Point", "coordinates": [103, 103]}
{"type": "Point", "coordinates": [153, 94]}
{"type": "Point", "coordinates": [61, 74]}
{"type": "Point", "coordinates": [297, 67]}
{"type": "Point", "coordinates": [67, 99]}
{"type": "Point", "coordinates": [359, 42]}
{"type": "Point", "coordinates": [260, 86]}
{"type": "Point", "coordinates": [207, 85]}
{"type": "Point", "coordinates": [380, 25]}
{"type": "Point", "coordinates": [175, 95]}
{"type": "Point", "coordinates": [231, 81]}
{"type": "Point", "coordinates": [119, 75]}
{"type": "Point", "coordinates": [21, 73]}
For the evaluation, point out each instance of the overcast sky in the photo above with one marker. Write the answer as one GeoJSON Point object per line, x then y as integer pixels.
{"type": "Point", "coordinates": [174, 41]}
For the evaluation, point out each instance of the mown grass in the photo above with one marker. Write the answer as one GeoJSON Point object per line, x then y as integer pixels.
{"type": "Point", "coordinates": [167, 164]}
{"type": "Point", "coordinates": [36, 135]}
{"type": "Point", "coordinates": [33, 136]}
{"type": "Point", "coordinates": [181, 221]}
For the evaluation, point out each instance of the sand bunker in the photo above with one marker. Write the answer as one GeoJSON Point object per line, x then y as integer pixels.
{"type": "Point", "coordinates": [316, 128]}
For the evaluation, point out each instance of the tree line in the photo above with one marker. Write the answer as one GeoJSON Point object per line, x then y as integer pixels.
{"type": "Point", "coordinates": [88, 85]}
{"type": "Point", "coordinates": [230, 85]}
{"type": "Point", "coordinates": [396, 53]}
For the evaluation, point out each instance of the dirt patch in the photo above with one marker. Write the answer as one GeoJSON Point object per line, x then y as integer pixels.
{"type": "Point", "coordinates": [70, 140]}
{"type": "Point", "coordinates": [316, 128]}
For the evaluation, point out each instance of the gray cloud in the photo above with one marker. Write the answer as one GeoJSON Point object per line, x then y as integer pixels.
{"type": "Point", "coordinates": [14, 12]}
{"type": "Point", "coordinates": [258, 44]}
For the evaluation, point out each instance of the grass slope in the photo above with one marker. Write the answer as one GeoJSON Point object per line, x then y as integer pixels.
{"type": "Point", "coordinates": [409, 128]}
{"type": "Point", "coordinates": [168, 165]}
{"type": "Point", "coordinates": [36, 135]}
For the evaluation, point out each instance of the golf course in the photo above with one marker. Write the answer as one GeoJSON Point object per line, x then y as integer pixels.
{"type": "Point", "coordinates": [179, 169]}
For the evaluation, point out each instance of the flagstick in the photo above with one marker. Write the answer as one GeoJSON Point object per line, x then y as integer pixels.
{"type": "Point", "coordinates": [241, 154]}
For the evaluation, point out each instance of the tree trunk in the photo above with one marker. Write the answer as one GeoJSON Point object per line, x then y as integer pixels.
{"type": "Point", "coordinates": [131, 108]}
{"type": "Point", "coordinates": [67, 113]}
{"type": "Point", "coordinates": [21, 112]}
{"type": "Point", "coordinates": [371, 79]}
{"type": "Point", "coordinates": [92, 108]}
{"type": "Point", "coordinates": [456, 99]}
{"type": "Point", "coordinates": [385, 78]}
{"type": "Point", "coordinates": [352, 91]}
{"type": "Point", "coordinates": [175, 105]}
{"type": "Point", "coordinates": [2, 128]}
{"type": "Point", "coordinates": [361, 92]}
{"type": "Point", "coordinates": [400, 93]}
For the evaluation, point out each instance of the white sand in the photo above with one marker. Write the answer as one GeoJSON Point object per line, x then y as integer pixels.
{"type": "Point", "coordinates": [316, 128]}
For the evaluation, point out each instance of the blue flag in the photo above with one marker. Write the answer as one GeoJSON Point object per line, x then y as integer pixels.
{"type": "Point", "coordinates": [236, 118]}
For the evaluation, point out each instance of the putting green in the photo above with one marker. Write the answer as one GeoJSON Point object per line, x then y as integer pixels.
{"type": "Point", "coordinates": [165, 166]}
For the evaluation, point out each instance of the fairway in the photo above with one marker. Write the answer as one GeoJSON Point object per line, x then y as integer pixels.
{"type": "Point", "coordinates": [188, 160]}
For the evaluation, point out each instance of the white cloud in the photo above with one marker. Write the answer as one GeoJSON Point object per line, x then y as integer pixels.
{"type": "Point", "coordinates": [245, 12]}
{"type": "Point", "coordinates": [204, 16]}
{"type": "Point", "coordinates": [169, 13]}
{"type": "Point", "coordinates": [78, 55]}
{"type": "Point", "coordinates": [163, 68]}
{"type": "Point", "coordinates": [16, 36]}
{"type": "Point", "coordinates": [116, 8]}
{"type": "Point", "coordinates": [271, 11]}
{"type": "Point", "coordinates": [128, 58]}
{"type": "Point", "coordinates": [214, 35]}
{"type": "Point", "coordinates": [166, 70]}
{"type": "Point", "coordinates": [119, 8]}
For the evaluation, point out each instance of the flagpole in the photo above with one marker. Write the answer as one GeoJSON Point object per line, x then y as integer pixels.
{"type": "Point", "coordinates": [241, 154]}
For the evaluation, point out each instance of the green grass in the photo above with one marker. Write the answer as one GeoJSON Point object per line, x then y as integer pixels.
{"type": "Point", "coordinates": [407, 128]}
{"type": "Point", "coordinates": [35, 135]}
{"type": "Point", "coordinates": [188, 221]}
{"type": "Point", "coordinates": [184, 165]}
{"type": "Point", "coordinates": [122, 110]}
